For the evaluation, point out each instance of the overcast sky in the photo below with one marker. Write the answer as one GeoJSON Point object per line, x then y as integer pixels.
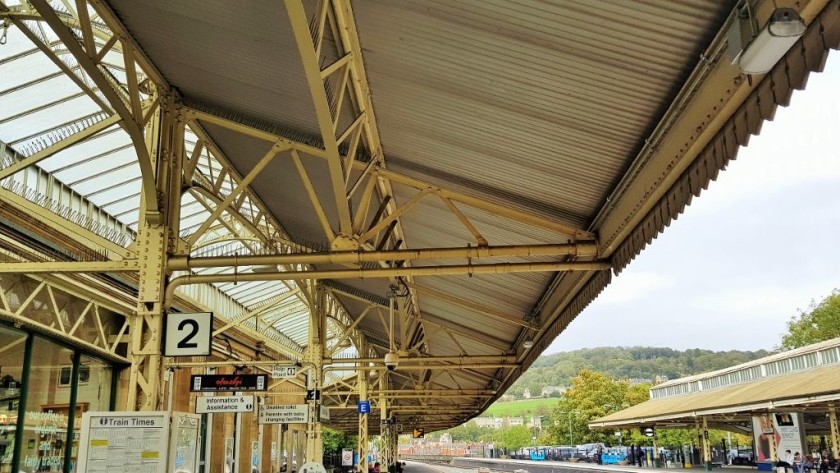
{"type": "Point", "coordinates": [759, 243]}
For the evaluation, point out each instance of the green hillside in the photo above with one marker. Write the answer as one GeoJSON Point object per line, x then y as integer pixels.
{"type": "Point", "coordinates": [526, 408]}
{"type": "Point", "coordinates": [632, 363]}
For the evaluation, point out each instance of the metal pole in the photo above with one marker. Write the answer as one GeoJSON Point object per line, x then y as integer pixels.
{"type": "Point", "coordinates": [571, 437]}
{"type": "Point", "coordinates": [362, 446]}
{"type": "Point", "coordinates": [237, 439]}
{"type": "Point", "coordinates": [707, 452]}
{"type": "Point", "coordinates": [208, 433]}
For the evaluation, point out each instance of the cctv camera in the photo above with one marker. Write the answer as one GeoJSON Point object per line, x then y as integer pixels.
{"type": "Point", "coordinates": [391, 361]}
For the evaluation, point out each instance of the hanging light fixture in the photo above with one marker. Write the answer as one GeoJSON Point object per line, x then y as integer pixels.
{"type": "Point", "coordinates": [756, 52]}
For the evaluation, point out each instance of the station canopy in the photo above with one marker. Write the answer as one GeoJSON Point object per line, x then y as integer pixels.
{"type": "Point", "coordinates": [493, 162]}
{"type": "Point", "coordinates": [804, 380]}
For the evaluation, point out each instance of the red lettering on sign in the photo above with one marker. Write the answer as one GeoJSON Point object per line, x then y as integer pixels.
{"type": "Point", "coordinates": [235, 382]}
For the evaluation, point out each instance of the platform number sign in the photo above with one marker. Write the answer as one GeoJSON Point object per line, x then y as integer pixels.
{"type": "Point", "coordinates": [188, 334]}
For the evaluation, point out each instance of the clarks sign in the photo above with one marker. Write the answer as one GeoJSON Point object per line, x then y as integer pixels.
{"type": "Point", "coordinates": [228, 382]}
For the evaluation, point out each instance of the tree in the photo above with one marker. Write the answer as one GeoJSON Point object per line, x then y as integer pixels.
{"type": "Point", "coordinates": [592, 395]}
{"type": "Point", "coordinates": [335, 441]}
{"type": "Point", "coordinates": [514, 438]}
{"type": "Point", "coordinates": [820, 323]}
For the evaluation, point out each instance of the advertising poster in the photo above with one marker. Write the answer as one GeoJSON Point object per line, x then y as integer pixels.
{"type": "Point", "coordinates": [785, 427]}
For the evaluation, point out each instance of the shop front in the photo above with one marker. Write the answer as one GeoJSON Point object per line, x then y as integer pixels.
{"type": "Point", "coordinates": [45, 387]}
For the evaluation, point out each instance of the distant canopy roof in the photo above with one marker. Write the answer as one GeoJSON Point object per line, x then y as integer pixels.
{"type": "Point", "coordinates": [807, 378]}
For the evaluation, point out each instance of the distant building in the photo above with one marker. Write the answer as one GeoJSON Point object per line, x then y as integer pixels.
{"type": "Point", "coordinates": [659, 379]}
{"type": "Point", "coordinates": [503, 422]}
{"type": "Point", "coordinates": [485, 422]}
{"type": "Point", "coordinates": [638, 381]}
{"type": "Point", "coordinates": [535, 422]}
{"type": "Point", "coordinates": [507, 397]}
{"type": "Point", "coordinates": [527, 394]}
{"type": "Point", "coordinates": [446, 438]}
{"type": "Point", "coordinates": [549, 390]}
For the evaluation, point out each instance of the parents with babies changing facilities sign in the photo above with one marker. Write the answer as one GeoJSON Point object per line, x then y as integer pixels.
{"type": "Point", "coordinates": [283, 414]}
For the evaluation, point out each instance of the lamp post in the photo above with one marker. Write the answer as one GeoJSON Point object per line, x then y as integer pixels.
{"type": "Point", "coordinates": [534, 425]}
{"type": "Point", "coordinates": [571, 436]}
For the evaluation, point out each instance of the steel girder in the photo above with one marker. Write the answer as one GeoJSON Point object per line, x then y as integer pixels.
{"type": "Point", "coordinates": [204, 155]}
{"type": "Point", "coordinates": [124, 103]}
{"type": "Point", "coordinates": [373, 169]}
{"type": "Point", "coordinates": [233, 212]}
{"type": "Point", "coordinates": [62, 310]}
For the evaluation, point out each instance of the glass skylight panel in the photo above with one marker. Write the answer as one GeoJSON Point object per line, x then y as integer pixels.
{"type": "Point", "coordinates": [31, 126]}
{"type": "Point", "coordinates": [24, 69]}
{"type": "Point", "coordinates": [92, 183]}
{"type": "Point", "coordinates": [16, 44]}
{"type": "Point", "coordinates": [120, 204]}
{"type": "Point", "coordinates": [21, 100]}
{"type": "Point", "coordinates": [104, 144]}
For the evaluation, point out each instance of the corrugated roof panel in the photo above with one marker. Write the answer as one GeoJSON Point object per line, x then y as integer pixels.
{"type": "Point", "coordinates": [430, 223]}
{"type": "Point", "coordinates": [244, 53]}
{"type": "Point", "coordinates": [557, 95]}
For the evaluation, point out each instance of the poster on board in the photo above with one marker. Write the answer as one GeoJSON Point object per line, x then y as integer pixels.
{"type": "Point", "coordinates": [183, 447]}
{"type": "Point", "coordinates": [784, 427]}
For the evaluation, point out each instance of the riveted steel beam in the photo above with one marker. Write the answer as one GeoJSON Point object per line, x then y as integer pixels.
{"type": "Point", "coordinates": [185, 263]}
{"type": "Point", "coordinates": [323, 112]}
{"type": "Point", "coordinates": [503, 268]}
{"type": "Point", "coordinates": [426, 360]}
{"type": "Point", "coordinates": [71, 267]}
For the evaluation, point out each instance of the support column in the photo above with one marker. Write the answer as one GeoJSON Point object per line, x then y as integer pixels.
{"type": "Point", "coordinates": [157, 237]}
{"type": "Point", "coordinates": [774, 456]}
{"type": "Point", "coordinates": [395, 445]}
{"type": "Point", "coordinates": [655, 449]}
{"type": "Point", "coordinates": [835, 432]}
{"type": "Point", "coordinates": [315, 358]}
{"type": "Point", "coordinates": [707, 451]}
{"type": "Point", "coordinates": [384, 426]}
{"type": "Point", "coordinates": [363, 418]}
{"type": "Point", "coordinates": [300, 447]}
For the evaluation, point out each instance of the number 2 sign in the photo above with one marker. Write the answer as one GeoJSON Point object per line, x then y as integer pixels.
{"type": "Point", "coordinates": [188, 334]}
